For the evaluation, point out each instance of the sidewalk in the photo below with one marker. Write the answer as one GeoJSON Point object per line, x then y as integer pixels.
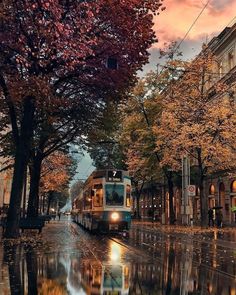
{"type": "Point", "coordinates": [212, 233]}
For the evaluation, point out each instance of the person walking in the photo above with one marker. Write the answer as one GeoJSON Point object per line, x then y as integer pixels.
{"type": "Point", "coordinates": [219, 218]}
{"type": "Point", "coordinates": [59, 215]}
{"type": "Point", "coordinates": [210, 217]}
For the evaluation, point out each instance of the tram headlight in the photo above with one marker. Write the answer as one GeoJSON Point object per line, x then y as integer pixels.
{"type": "Point", "coordinates": [115, 216]}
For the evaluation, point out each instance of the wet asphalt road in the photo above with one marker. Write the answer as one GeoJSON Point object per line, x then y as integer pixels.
{"type": "Point", "coordinates": [66, 259]}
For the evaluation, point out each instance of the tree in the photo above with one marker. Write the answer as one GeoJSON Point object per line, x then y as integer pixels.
{"type": "Point", "coordinates": [60, 44]}
{"type": "Point", "coordinates": [55, 177]}
{"type": "Point", "coordinates": [137, 136]}
{"type": "Point", "coordinates": [103, 141]}
{"type": "Point", "coordinates": [32, 49]}
{"type": "Point", "coordinates": [198, 121]}
{"type": "Point", "coordinates": [75, 189]}
{"type": "Point", "coordinates": [55, 172]}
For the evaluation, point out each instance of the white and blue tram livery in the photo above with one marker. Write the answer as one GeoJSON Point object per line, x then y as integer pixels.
{"type": "Point", "coordinates": [104, 204]}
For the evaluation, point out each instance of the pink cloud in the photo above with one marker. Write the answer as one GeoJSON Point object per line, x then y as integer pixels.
{"type": "Point", "coordinates": [174, 22]}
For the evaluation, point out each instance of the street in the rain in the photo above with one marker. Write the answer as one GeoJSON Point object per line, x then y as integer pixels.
{"type": "Point", "coordinates": [117, 147]}
{"type": "Point", "coordinates": [151, 259]}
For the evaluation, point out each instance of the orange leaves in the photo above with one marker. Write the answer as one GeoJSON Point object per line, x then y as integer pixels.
{"type": "Point", "coordinates": [55, 172]}
{"type": "Point", "coordinates": [199, 117]}
{"type": "Point", "coordinates": [49, 286]}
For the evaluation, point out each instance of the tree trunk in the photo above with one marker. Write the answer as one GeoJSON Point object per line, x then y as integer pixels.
{"type": "Point", "coordinates": [35, 170]}
{"type": "Point", "coordinates": [13, 215]}
{"type": "Point", "coordinates": [203, 197]}
{"type": "Point", "coordinates": [152, 199]}
{"type": "Point", "coordinates": [138, 207]}
{"type": "Point", "coordinates": [32, 269]}
{"type": "Point", "coordinates": [50, 197]}
{"type": "Point", "coordinates": [171, 196]}
{"type": "Point", "coordinates": [170, 269]}
{"type": "Point", "coordinates": [203, 203]}
{"type": "Point", "coordinates": [13, 261]}
{"type": "Point", "coordinates": [21, 161]}
{"type": "Point", "coordinates": [138, 194]}
{"type": "Point", "coordinates": [43, 205]}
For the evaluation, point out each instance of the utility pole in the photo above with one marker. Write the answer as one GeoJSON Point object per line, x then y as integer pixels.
{"type": "Point", "coordinates": [185, 208]}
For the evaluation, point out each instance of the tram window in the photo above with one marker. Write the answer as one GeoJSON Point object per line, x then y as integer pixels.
{"type": "Point", "coordinates": [114, 194]}
{"type": "Point", "coordinates": [128, 194]}
{"type": "Point", "coordinates": [87, 200]}
{"type": "Point", "coordinates": [98, 186]}
{"type": "Point", "coordinates": [113, 277]}
{"type": "Point", "coordinates": [98, 195]}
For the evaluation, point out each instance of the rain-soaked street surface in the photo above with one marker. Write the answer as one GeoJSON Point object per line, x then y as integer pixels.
{"type": "Point", "coordinates": [65, 259]}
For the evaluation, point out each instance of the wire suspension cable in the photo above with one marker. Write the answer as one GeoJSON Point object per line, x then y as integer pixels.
{"type": "Point", "coordinates": [190, 28]}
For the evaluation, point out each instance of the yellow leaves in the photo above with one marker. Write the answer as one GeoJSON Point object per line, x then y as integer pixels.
{"type": "Point", "coordinates": [26, 238]}
{"type": "Point", "coordinates": [195, 119]}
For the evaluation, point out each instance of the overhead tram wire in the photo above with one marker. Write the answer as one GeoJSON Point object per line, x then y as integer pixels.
{"type": "Point", "coordinates": [192, 71]}
{"type": "Point", "coordinates": [232, 22]}
{"type": "Point", "coordinates": [190, 28]}
{"type": "Point", "coordinates": [84, 175]}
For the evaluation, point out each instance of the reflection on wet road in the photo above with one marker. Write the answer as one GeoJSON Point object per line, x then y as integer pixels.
{"type": "Point", "coordinates": [149, 261]}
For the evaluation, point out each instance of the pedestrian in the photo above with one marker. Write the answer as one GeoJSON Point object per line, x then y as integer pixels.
{"type": "Point", "coordinates": [59, 215]}
{"type": "Point", "coordinates": [210, 217]}
{"type": "Point", "coordinates": [219, 218]}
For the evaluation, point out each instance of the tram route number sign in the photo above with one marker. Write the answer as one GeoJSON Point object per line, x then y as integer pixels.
{"type": "Point", "coordinates": [191, 189]}
{"type": "Point", "coordinates": [114, 175]}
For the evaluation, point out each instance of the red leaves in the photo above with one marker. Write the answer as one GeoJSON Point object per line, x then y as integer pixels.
{"type": "Point", "coordinates": [68, 34]}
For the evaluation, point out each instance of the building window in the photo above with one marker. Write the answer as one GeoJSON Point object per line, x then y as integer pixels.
{"type": "Point", "coordinates": [221, 68]}
{"type": "Point", "coordinates": [128, 194]}
{"type": "Point", "coordinates": [233, 187]}
{"type": "Point", "coordinates": [231, 59]}
{"type": "Point", "coordinates": [212, 189]}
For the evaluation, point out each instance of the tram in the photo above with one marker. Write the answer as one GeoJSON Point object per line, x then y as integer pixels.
{"type": "Point", "coordinates": [104, 203]}
{"type": "Point", "coordinates": [100, 278]}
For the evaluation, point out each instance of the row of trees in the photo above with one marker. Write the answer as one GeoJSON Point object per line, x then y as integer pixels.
{"type": "Point", "coordinates": [61, 63]}
{"type": "Point", "coordinates": [183, 110]}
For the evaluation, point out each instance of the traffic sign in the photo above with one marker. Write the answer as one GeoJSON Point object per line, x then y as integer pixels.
{"type": "Point", "coordinates": [191, 189]}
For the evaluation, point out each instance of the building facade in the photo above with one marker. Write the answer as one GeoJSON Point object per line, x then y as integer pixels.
{"type": "Point", "coordinates": [220, 187]}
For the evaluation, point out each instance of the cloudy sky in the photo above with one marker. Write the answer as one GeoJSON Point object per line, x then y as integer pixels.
{"type": "Point", "coordinates": [173, 23]}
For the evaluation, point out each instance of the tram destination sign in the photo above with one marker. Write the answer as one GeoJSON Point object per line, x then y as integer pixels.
{"type": "Point", "coordinates": [114, 175]}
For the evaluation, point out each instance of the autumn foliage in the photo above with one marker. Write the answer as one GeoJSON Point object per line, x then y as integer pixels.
{"type": "Point", "coordinates": [198, 120]}
{"type": "Point", "coordinates": [55, 172]}
{"type": "Point", "coordinates": [54, 57]}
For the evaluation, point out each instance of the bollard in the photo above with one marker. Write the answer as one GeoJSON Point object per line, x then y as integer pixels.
{"type": "Point", "coordinates": [191, 221]}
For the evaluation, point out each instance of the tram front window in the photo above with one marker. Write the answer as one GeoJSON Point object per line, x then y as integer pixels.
{"type": "Point", "coordinates": [114, 194]}
{"type": "Point", "coordinates": [112, 278]}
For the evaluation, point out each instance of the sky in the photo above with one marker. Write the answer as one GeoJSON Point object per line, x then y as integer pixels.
{"type": "Point", "coordinates": [172, 25]}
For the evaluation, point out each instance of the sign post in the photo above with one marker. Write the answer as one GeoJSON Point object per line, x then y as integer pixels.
{"type": "Point", "coordinates": [191, 190]}
{"type": "Point", "coordinates": [185, 208]}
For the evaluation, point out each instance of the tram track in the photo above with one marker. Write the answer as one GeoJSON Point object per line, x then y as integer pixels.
{"type": "Point", "coordinates": [142, 253]}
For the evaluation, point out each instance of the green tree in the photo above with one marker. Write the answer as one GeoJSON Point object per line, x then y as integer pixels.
{"type": "Point", "coordinates": [103, 141]}
{"type": "Point", "coordinates": [137, 136]}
